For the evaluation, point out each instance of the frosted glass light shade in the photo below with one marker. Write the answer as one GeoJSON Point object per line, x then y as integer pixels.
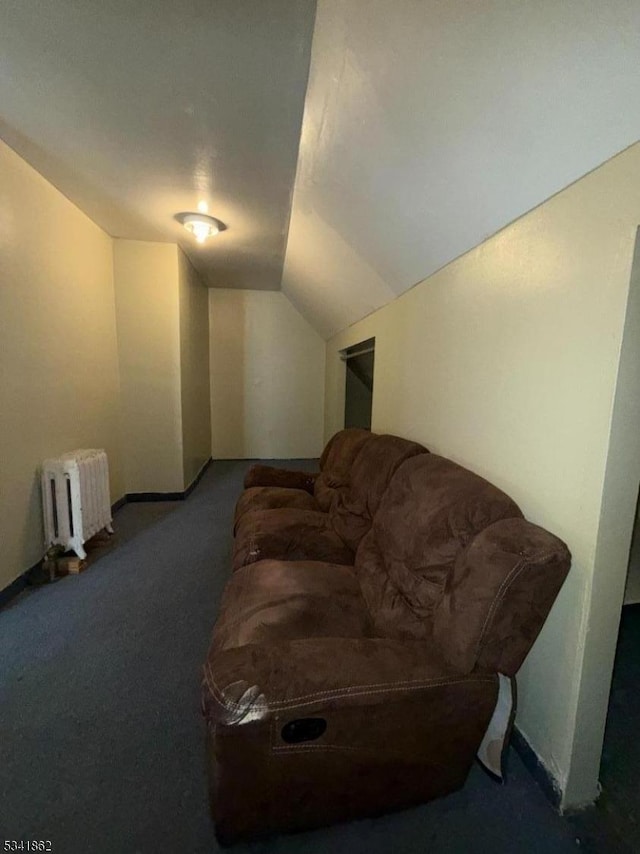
{"type": "Point", "coordinates": [201, 226]}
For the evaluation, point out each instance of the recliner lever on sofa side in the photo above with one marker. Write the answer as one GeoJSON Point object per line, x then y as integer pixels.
{"type": "Point", "coordinates": [303, 729]}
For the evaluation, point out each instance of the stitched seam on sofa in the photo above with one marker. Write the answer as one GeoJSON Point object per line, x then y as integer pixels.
{"type": "Point", "coordinates": [503, 585]}
{"type": "Point", "coordinates": [309, 747]}
{"type": "Point", "coordinates": [370, 750]}
{"type": "Point", "coordinates": [383, 685]}
{"type": "Point", "coordinates": [506, 583]}
{"type": "Point", "coordinates": [328, 696]}
{"type": "Point", "coordinates": [296, 705]}
{"type": "Point", "coordinates": [503, 589]}
{"type": "Point", "coordinates": [278, 753]}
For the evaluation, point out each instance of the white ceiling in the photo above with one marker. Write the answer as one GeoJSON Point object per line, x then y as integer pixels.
{"type": "Point", "coordinates": [428, 126]}
{"type": "Point", "coordinates": [139, 110]}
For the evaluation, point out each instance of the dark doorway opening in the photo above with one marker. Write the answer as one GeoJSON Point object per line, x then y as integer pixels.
{"type": "Point", "coordinates": [358, 395]}
{"type": "Point", "coordinates": [620, 763]}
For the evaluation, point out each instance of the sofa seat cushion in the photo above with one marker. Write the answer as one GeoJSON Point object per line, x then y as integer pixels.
{"type": "Point", "coordinates": [273, 498]}
{"type": "Point", "coordinates": [285, 600]}
{"type": "Point", "coordinates": [288, 534]}
{"type": "Point", "coordinates": [264, 475]}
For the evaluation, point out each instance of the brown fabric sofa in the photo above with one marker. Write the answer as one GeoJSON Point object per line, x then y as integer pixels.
{"type": "Point", "coordinates": [269, 488]}
{"type": "Point", "coordinates": [333, 692]}
{"type": "Point", "coordinates": [298, 534]}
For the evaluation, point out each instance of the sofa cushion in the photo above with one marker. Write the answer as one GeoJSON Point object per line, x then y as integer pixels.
{"type": "Point", "coordinates": [354, 507]}
{"type": "Point", "coordinates": [277, 600]}
{"type": "Point", "coordinates": [272, 498]}
{"type": "Point", "coordinates": [268, 488]}
{"type": "Point", "coordinates": [432, 509]}
{"type": "Point", "coordinates": [288, 534]}
{"type": "Point", "coordinates": [263, 475]}
{"type": "Point", "coordinates": [336, 462]}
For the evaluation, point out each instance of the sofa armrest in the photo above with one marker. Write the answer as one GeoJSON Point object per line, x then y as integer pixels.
{"type": "Point", "coordinates": [308, 732]}
{"type": "Point", "coordinates": [259, 475]}
{"type": "Point", "coordinates": [498, 596]}
{"type": "Point", "coordinates": [301, 677]}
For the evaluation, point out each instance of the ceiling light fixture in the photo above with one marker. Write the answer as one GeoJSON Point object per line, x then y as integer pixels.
{"type": "Point", "coordinates": [200, 225]}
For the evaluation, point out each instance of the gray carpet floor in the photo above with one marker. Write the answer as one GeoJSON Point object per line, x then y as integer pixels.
{"type": "Point", "coordinates": [101, 738]}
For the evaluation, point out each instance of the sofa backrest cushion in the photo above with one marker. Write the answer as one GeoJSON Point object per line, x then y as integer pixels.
{"type": "Point", "coordinates": [355, 506]}
{"type": "Point", "coordinates": [430, 512]}
{"type": "Point", "coordinates": [336, 462]}
{"type": "Point", "coordinates": [498, 596]}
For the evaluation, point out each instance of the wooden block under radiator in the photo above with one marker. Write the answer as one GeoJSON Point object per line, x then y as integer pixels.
{"type": "Point", "coordinates": [70, 565]}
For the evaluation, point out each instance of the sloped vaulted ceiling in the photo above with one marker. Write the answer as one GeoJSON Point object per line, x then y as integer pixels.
{"type": "Point", "coordinates": [140, 110]}
{"type": "Point", "coordinates": [428, 126]}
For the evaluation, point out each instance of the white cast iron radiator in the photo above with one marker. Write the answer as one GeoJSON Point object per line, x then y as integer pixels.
{"type": "Point", "coordinates": [75, 498]}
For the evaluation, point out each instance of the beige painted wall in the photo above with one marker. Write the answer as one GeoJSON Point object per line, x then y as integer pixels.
{"type": "Point", "coordinates": [506, 361]}
{"type": "Point", "coordinates": [148, 328]}
{"type": "Point", "coordinates": [194, 369]}
{"type": "Point", "coordinates": [58, 357]}
{"type": "Point", "coordinates": [267, 377]}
